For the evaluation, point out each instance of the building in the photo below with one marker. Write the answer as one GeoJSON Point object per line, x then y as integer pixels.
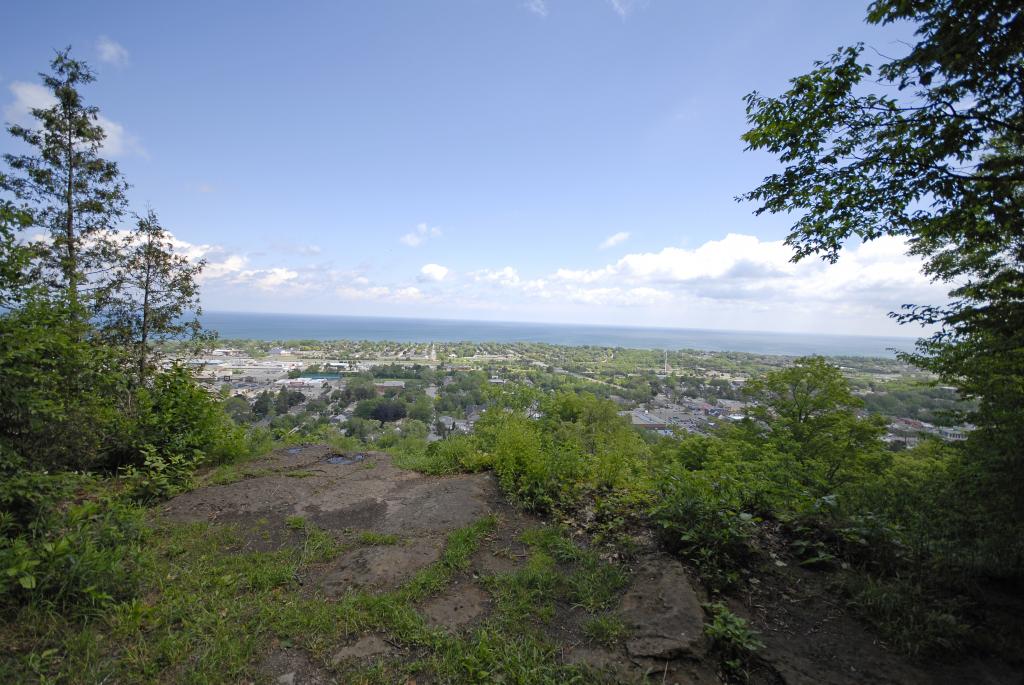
{"type": "Point", "coordinates": [388, 386]}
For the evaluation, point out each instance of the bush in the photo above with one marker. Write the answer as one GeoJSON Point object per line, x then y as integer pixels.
{"type": "Point", "coordinates": [699, 515]}
{"type": "Point", "coordinates": [176, 427]}
{"type": "Point", "coordinates": [65, 545]}
{"type": "Point", "coordinates": [731, 637]}
{"type": "Point", "coordinates": [915, 618]}
{"type": "Point", "coordinates": [57, 407]}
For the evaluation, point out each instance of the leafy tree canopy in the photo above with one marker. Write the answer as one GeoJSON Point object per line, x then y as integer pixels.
{"type": "Point", "coordinates": [929, 146]}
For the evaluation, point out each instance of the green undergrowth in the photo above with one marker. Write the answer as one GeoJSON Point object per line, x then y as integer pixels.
{"type": "Point", "coordinates": [557, 571]}
{"type": "Point", "coordinates": [206, 614]}
{"type": "Point", "coordinates": [732, 639]}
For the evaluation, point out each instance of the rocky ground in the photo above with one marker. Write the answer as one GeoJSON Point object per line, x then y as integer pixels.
{"type": "Point", "coordinates": [622, 621]}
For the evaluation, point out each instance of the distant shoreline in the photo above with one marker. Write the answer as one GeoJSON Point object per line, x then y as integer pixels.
{"type": "Point", "coordinates": [283, 327]}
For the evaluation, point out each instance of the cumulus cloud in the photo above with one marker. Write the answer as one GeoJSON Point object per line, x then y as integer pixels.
{"type": "Point", "coordinates": [271, 279]}
{"type": "Point", "coordinates": [739, 274]}
{"type": "Point", "coordinates": [380, 293]}
{"type": "Point", "coordinates": [433, 272]}
{"type": "Point", "coordinates": [29, 96]}
{"type": "Point", "coordinates": [422, 234]}
{"type": "Point", "coordinates": [226, 267]}
{"type": "Point", "coordinates": [614, 239]}
{"type": "Point", "coordinates": [111, 52]}
{"type": "Point", "coordinates": [506, 276]}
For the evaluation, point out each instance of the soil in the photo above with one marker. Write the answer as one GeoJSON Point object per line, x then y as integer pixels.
{"type": "Point", "coordinates": [809, 636]}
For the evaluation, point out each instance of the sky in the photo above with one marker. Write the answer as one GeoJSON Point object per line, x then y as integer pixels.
{"type": "Point", "coordinates": [570, 161]}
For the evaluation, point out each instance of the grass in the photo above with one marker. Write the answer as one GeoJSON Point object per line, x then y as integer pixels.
{"type": "Point", "coordinates": [210, 614]}
{"type": "Point", "coordinates": [606, 629]}
{"type": "Point", "coordinates": [372, 537]}
{"type": "Point", "coordinates": [911, 618]}
{"type": "Point", "coordinates": [556, 570]}
{"type": "Point", "coordinates": [207, 615]}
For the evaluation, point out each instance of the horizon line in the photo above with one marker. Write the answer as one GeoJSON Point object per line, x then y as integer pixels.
{"type": "Point", "coordinates": [564, 324]}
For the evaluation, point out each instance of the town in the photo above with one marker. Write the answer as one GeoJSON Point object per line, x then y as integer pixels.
{"type": "Point", "coordinates": [368, 389]}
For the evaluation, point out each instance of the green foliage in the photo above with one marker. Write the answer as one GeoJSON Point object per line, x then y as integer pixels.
{"type": "Point", "coordinates": [70, 192]}
{"type": "Point", "coordinates": [454, 454]}
{"type": "Point", "coordinates": [579, 443]}
{"type": "Point", "coordinates": [812, 416]}
{"type": "Point", "coordinates": [58, 407]}
{"type": "Point", "coordinates": [372, 537]}
{"type": "Point", "coordinates": [381, 409]}
{"type": "Point", "coordinates": [176, 427]}
{"type": "Point", "coordinates": [154, 295]}
{"type": "Point", "coordinates": [65, 545]}
{"type": "Point", "coordinates": [913, 618]}
{"type": "Point", "coordinates": [862, 145]}
{"type": "Point", "coordinates": [731, 637]}
{"type": "Point", "coordinates": [700, 516]}
{"type": "Point", "coordinates": [606, 629]}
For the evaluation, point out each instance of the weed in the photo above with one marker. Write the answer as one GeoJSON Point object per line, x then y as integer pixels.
{"type": "Point", "coordinates": [606, 629]}
{"type": "Point", "coordinates": [594, 584]}
{"type": "Point", "coordinates": [371, 537]}
{"type": "Point", "coordinates": [731, 637]}
{"type": "Point", "coordinates": [300, 474]}
{"type": "Point", "coordinates": [915, 620]}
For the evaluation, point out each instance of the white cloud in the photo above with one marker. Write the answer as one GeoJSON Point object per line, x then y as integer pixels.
{"type": "Point", "coordinates": [274, 278]}
{"type": "Point", "coordinates": [615, 239]}
{"type": "Point", "coordinates": [111, 52]}
{"type": "Point", "coordinates": [118, 142]}
{"type": "Point", "coordinates": [227, 267]}
{"type": "Point", "coordinates": [407, 294]}
{"type": "Point", "coordinates": [506, 276]}
{"type": "Point", "coordinates": [380, 293]}
{"type": "Point", "coordinates": [434, 272]}
{"type": "Point", "coordinates": [625, 7]}
{"type": "Point", "coordinates": [738, 278]}
{"type": "Point", "coordinates": [422, 234]}
{"type": "Point", "coordinates": [29, 96]}
{"type": "Point", "coordinates": [538, 7]}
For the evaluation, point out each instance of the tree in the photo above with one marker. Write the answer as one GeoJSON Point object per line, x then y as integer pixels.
{"type": "Point", "coordinates": [70, 192]}
{"type": "Point", "coordinates": [263, 404]}
{"type": "Point", "coordinates": [154, 295]}
{"type": "Point", "coordinates": [812, 415]}
{"type": "Point", "coordinates": [928, 146]}
{"type": "Point", "coordinates": [422, 409]}
{"type": "Point", "coordinates": [15, 258]}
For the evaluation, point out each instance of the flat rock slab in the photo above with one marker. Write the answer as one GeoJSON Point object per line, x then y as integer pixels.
{"type": "Point", "coordinates": [378, 567]}
{"type": "Point", "coordinates": [439, 505]}
{"type": "Point", "coordinates": [461, 604]}
{"type": "Point", "coordinates": [663, 614]}
{"type": "Point", "coordinates": [292, 667]}
{"type": "Point", "coordinates": [372, 494]}
{"type": "Point", "coordinates": [363, 648]}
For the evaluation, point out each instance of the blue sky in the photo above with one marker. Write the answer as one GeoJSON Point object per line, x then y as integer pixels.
{"type": "Point", "coordinates": [558, 160]}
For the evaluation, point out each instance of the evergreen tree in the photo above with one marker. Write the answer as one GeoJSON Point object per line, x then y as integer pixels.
{"type": "Point", "coordinates": [69, 191]}
{"type": "Point", "coordinates": [153, 296]}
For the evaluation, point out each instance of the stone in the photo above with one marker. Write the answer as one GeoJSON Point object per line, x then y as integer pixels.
{"type": "Point", "coordinates": [371, 645]}
{"type": "Point", "coordinates": [663, 614]}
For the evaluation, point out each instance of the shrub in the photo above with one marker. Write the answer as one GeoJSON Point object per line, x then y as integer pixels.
{"type": "Point", "coordinates": [65, 545]}
{"type": "Point", "coordinates": [916, 619]}
{"type": "Point", "coordinates": [731, 637]}
{"type": "Point", "coordinates": [699, 515]}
